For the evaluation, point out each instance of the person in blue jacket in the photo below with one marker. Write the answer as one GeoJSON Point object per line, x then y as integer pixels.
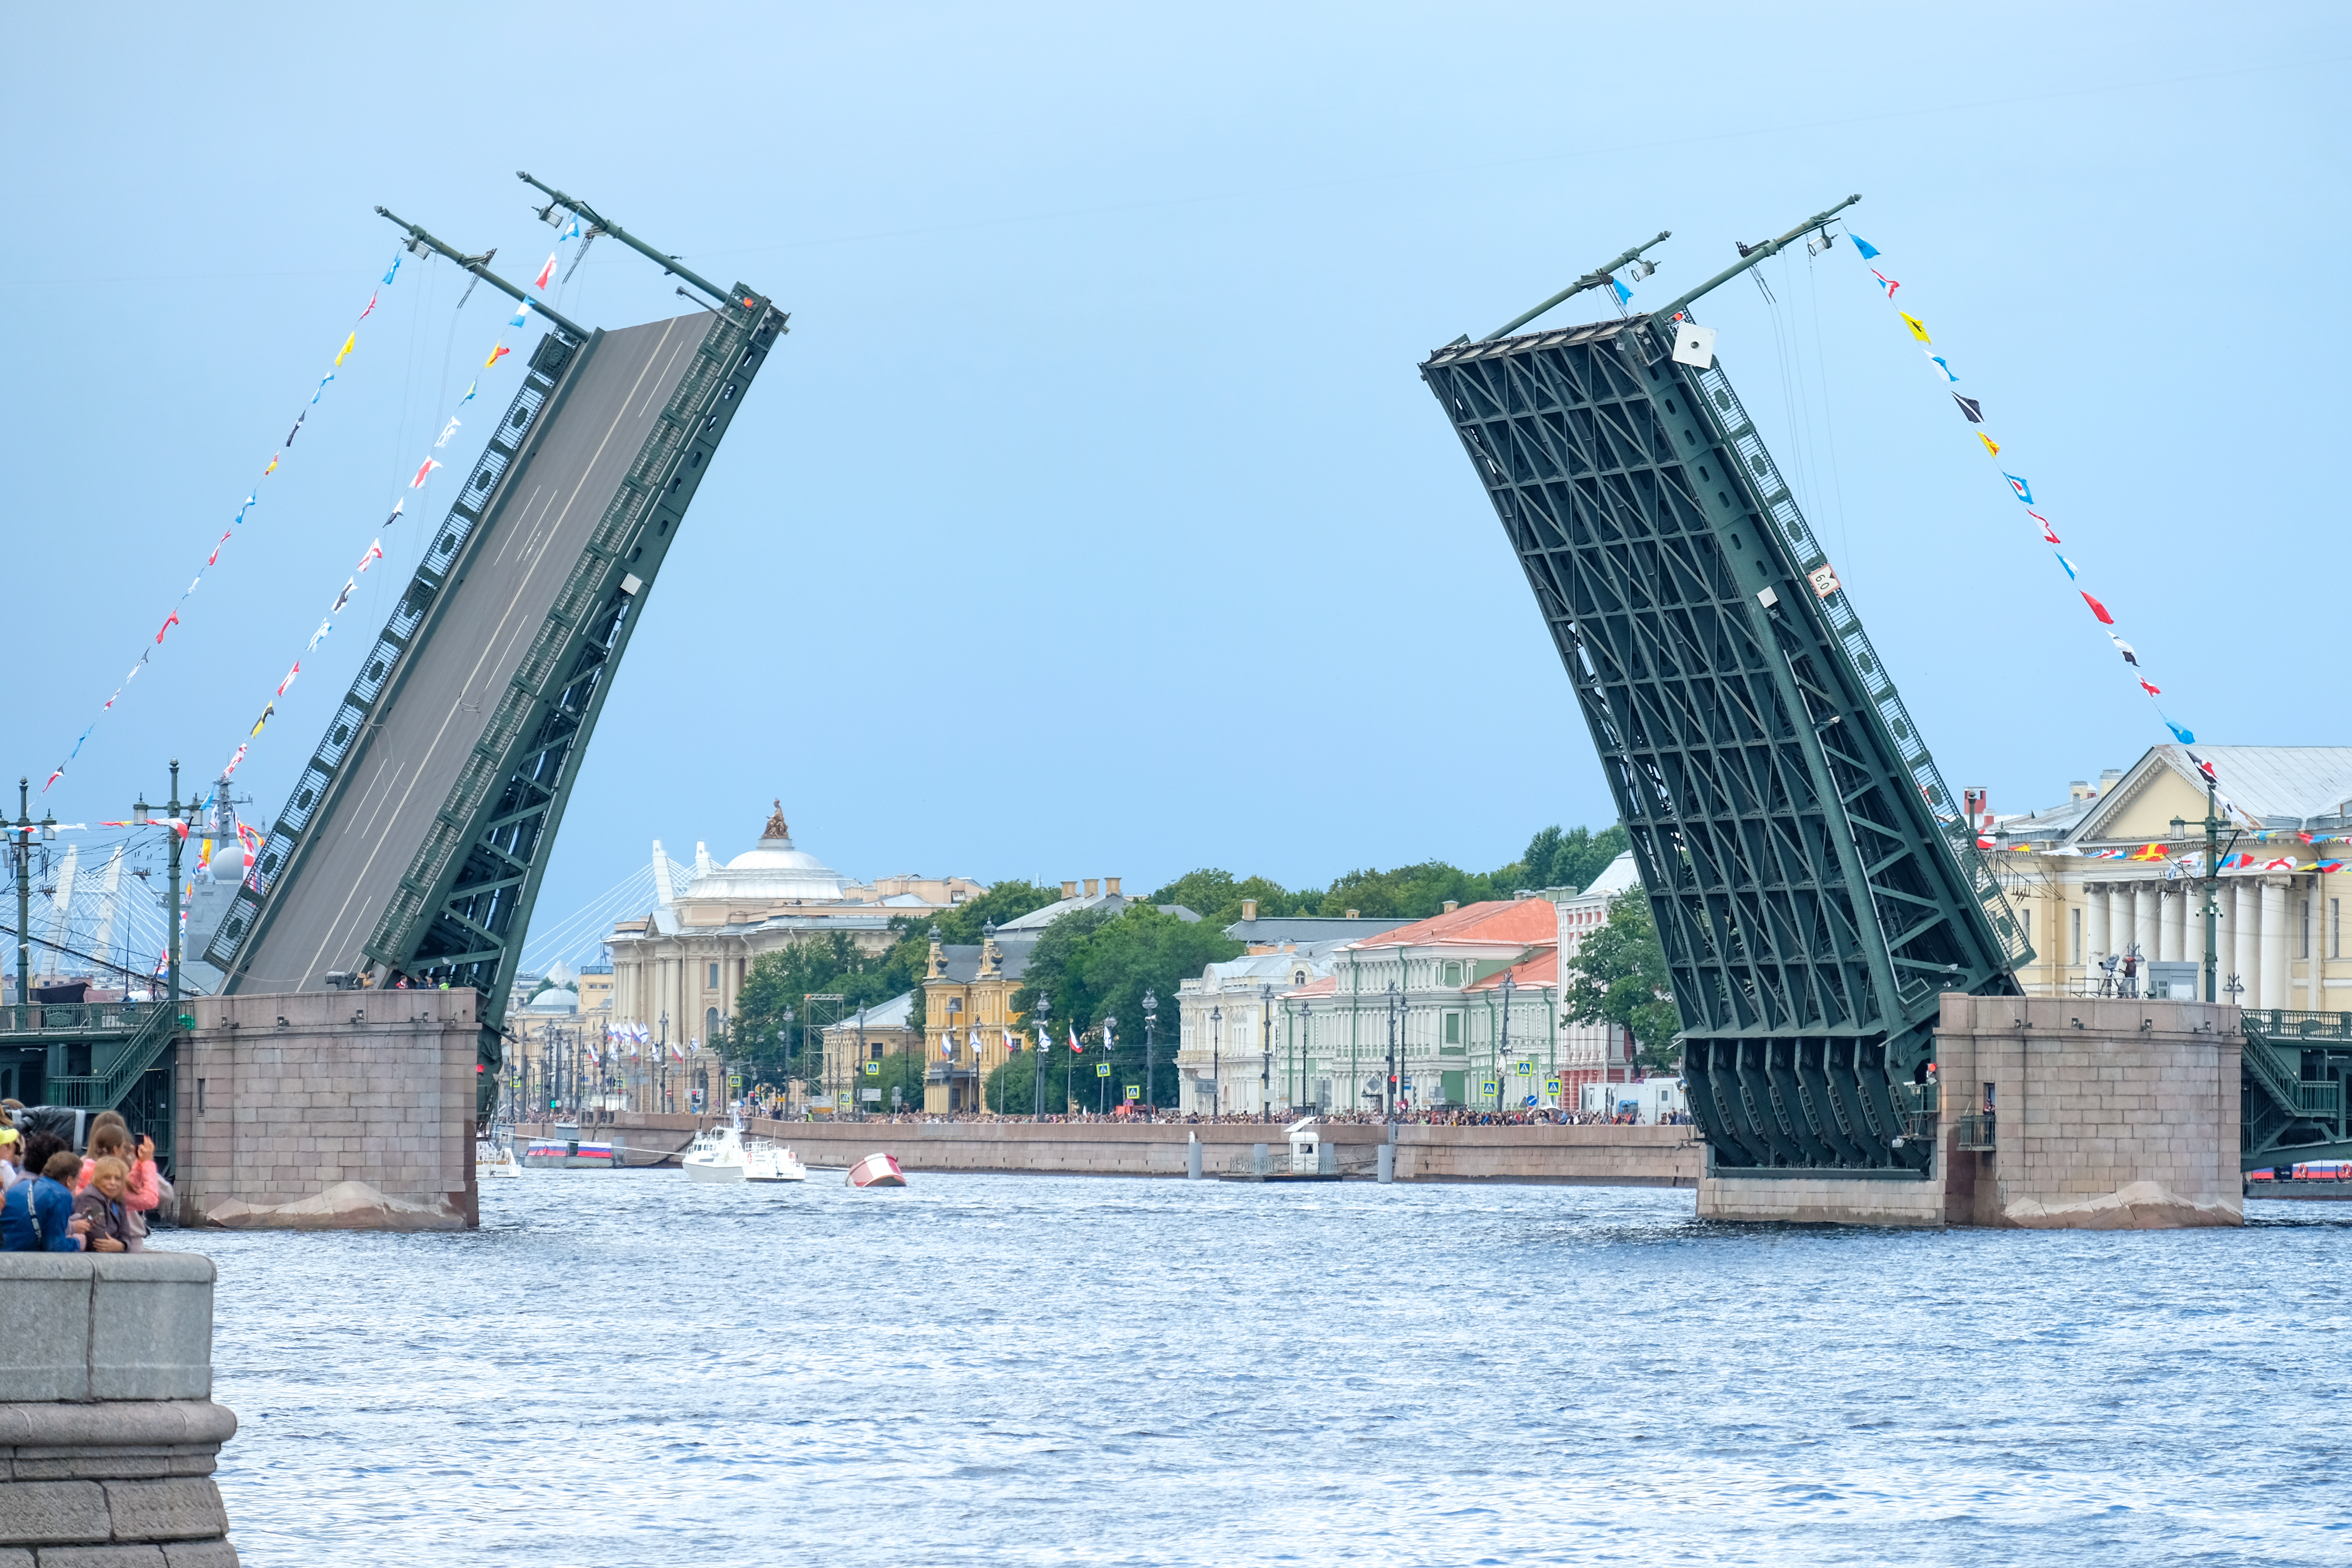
{"type": "Point", "coordinates": [37, 1216]}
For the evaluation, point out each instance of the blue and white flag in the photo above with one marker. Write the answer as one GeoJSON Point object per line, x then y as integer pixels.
{"type": "Point", "coordinates": [521, 318]}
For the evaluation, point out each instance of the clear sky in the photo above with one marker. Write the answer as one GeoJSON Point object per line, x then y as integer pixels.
{"type": "Point", "coordinates": [1093, 518]}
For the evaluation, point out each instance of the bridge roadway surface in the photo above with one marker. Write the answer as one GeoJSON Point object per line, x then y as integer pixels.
{"type": "Point", "coordinates": [1605, 1156]}
{"type": "Point", "coordinates": [404, 770]}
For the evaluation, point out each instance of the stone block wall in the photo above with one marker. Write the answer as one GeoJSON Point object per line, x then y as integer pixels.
{"type": "Point", "coordinates": [330, 1110]}
{"type": "Point", "coordinates": [107, 1432]}
{"type": "Point", "coordinates": [2107, 1115]}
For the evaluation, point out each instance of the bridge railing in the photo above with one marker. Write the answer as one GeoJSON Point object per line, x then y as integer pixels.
{"type": "Point", "coordinates": [2283, 1023]}
{"type": "Point", "coordinates": [77, 1020]}
{"type": "Point", "coordinates": [107, 1091]}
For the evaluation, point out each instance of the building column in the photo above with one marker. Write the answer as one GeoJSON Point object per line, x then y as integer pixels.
{"type": "Point", "coordinates": [2245, 955]}
{"type": "Point", "coordinates": [2143, 924]}
{"type": "Point", "coordinates": [2315, 965]}
{"type": "Point", "coordinates": [2275, 947]}
{"type": "Point", "coordinates": [2172, 933]}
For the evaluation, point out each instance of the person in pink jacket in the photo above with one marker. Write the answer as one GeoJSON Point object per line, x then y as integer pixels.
{"type": "Point", "coordinates": [143, 1191]}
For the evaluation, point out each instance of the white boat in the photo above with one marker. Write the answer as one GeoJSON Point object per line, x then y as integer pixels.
{"type": "Point", "coordinates": [766, 1162]}
{"type": "Point", "coordinates": [877, 1170]}
{"type": "Point", "coordinates": [717, 1154]}
{"type": "Point", "coordinates": [495, 1155]}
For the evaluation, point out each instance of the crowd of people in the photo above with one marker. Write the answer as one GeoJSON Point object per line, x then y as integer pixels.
{"type": "Point", "coordinates": [56, 1200]}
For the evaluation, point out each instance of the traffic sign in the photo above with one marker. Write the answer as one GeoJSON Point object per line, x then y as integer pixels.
{"type": "Point", "coordinates": [1524, 1070]}
{"type": "Point", "coordinates": [1102, 1069]}
{"type": "Point", "coordinates": [873, 1070]}
{"type": "Point", "coordinates": [1552, 1087]}
{"type": "Point", "coordinates": [1488, 1085]}
{"type": "Point", "coordinates": [1135, 1092]}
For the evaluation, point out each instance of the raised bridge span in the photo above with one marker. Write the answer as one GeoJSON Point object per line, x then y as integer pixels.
{"type": "Point", "coordinates": [414, 843]}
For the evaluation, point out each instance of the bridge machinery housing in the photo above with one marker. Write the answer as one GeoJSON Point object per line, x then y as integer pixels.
{"type": "Point", "coordinates": [414, 843]}
{"type": "Point", "coordinates": [1814, 882]}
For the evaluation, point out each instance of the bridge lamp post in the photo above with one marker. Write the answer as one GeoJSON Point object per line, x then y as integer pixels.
{"type": "Point", "coordinates": [2214, 854]}
{"type": "Point", "coordinates": [1150, 1039]}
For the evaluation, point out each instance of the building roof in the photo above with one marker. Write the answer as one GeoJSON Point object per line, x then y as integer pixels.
{"type": "Point", "coordinates": [1621, 875]}
{"type": "Point", "coordinates": [1495, 922]}
{"type": "Point", "coordinates": [1543, 969]}
{"type": "Point", "coordinates": [1308, 928]}
{"type": "Point", "coordinates": [1252, 970]}
{"type": "Point", "coordinates": [963, 958]}
{"type": "Point", "coordinates": [899, 1013]}
{"type": "Point", "coordinates": [2280, 787]}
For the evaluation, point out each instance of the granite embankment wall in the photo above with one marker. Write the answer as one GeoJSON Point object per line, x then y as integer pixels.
{"type": "Point", "coordinates": [108, 1431]}
{"type": "Point", "coordinates": [1585, 1156]}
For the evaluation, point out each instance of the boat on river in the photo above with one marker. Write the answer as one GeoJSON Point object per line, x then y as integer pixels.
{"type": "Point", "coordinates": [567, 1151]}
{"type": "Point", "coordinates": [717, 1154]}
{"type": "Point", "coordinates": [495, 1155]}
{"type": "Point", "coordinates": [766, 1162]}
{"type": "Point", "coordinates": [877, 1170]}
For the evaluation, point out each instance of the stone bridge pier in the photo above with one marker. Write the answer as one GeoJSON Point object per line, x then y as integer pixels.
{"type": "Point", "coordinates": [334, 1109]}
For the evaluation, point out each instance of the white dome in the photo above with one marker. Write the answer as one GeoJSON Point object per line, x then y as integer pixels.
{"type": "Point", "coordinates": [771, 872]}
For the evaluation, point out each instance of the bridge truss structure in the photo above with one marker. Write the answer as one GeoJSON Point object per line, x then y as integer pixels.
{"type": "Point", "coordinates": [1815, 881]}
{"type": "Point", "coordinates": [414, 843]}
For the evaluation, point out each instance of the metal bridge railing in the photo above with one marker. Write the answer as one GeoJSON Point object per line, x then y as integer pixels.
{"type": "Point", "coordinates": [1738, 432]}
{"type": "Point", "coordinates": [106, 1090]}
{"type": "Point", "coordinates": [77, 1020]}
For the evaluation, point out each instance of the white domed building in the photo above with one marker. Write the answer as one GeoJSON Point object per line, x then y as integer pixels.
{"type": "Point", "coordinates": [677, 970]}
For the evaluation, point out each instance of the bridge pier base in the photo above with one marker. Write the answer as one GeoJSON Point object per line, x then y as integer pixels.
{"type": "Point", "coordinates": [329, 1111]}
{"type": "Point", "coordinates": [2105, 1115]}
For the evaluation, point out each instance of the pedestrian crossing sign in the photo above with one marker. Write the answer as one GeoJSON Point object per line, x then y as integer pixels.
{"type": "Point", "coordinates": [1552, 1087]}
{"type": "Point", "coordinates": [1524, 1070]}
{"type": "Point", "coordinates": [1487, 1086]}
{"type": "Point", "coordinates": [1134, 1092]}
{"type": "Point", "coordinates": [1102, 1069]}
{"type": "Point", "coordinates": [873, 1070]}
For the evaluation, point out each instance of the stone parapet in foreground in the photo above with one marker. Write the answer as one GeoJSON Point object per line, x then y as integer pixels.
{"type": "Point", "coordinates": [107, 1432]}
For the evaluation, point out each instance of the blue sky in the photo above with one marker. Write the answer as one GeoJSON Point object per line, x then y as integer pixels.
{"type": "Point", "coordinates": [1093, 518]}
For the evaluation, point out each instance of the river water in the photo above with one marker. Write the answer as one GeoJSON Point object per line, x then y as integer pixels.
{"type": "Point", "coordinates": [623, 1368]}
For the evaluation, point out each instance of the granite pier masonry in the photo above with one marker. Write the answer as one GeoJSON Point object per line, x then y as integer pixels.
{"type": "Point", "coordinates": [1574, 1156]}
{"type": "Point", "coordinates": [2105, 1115]}
{"type": "Point", "coordinates": [108, 1430]}
{"type": "Point", "coordinates": [330, 1110]}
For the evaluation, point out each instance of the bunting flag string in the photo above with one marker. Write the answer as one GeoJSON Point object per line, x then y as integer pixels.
{"type": "Point", "coordinates": [374, 552]}
{"type": "Point", "coordinates": [1971, 409]}
{"type": "Point", "coordinates": [252, 498]}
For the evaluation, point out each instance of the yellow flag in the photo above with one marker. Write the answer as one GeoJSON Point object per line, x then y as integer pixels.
{"type": "Point", "coordinates": [1919, 328]}
{"type": "Point", "coordinates": [497, 353]}
{"type": "Point", "coordinates": [352, 342]}
{"type": "Point", "coordinates": [273, 465]}
{"type": "Point", "coordinates": [1990, 445]}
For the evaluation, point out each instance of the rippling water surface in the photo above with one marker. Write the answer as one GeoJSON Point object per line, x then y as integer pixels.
{"type": "Point", "coordinates": [622, 1368]}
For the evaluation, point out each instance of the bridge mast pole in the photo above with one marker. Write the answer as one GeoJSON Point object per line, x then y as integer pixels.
{"type": "Point", "coordinates": [24, 837]}
{"type": "Point", "coordinates": [1592, 279]}
{"type": "Point", "coordinates": [668, 264]}
{"type": "Point", "coordinates": [479, 266]}
{"type": "Point", "coordinates": [1754, 254]}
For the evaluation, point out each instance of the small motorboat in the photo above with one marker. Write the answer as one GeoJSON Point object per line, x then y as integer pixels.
{"type": "Point", "coordinates": [877, 1170]}
{"type": "Point", "coordinates": [717, 1154]}
{"type": "Point", "coordinates": [766, 1162]}
{"type": "Point", "coordinates": [566, 1152]}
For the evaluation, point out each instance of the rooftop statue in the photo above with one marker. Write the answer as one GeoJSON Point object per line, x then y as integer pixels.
{"type": "Point", "coordinates": [776, 827]}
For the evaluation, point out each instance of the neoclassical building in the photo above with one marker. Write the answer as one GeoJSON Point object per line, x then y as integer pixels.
{"type": "Point", "coordinates": [2106, 874]}
{"type": "Point", "coordinates": [678, 969]}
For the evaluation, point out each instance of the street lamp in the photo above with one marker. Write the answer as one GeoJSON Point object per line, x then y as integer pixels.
{"type": "Point", "coordinates": [1150, 1033]}
{"type": "Point", "coordinates": [1266, 1053]}
{"type": "Point", "coordinates": [1045, 1011]}
{"type": "Point", "coordinates": [1102, 1076]}
{"type": "Point", "coordinates": [1508, 986]}
{"type": "Point", "coordinates": [1216, 1062]}
{"type": "Point", "coordinates": [1395, 1012]}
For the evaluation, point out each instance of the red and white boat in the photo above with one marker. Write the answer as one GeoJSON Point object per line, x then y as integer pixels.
{"type": "Point", "coordinates": [877, 1170]}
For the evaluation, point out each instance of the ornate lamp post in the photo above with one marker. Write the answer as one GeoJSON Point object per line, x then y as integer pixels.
{"type": "Point", "coordinates": [2214, 855]}
{"type": "Point", "coordinates": [1045, 1011]}
{"type": "Point", "coordinates": [1151, 1038]}
{"type": "Point", "coordinates": [1102, 1076]}
{"type": "Point", "coordinates": [1266, 1053]}
{"type": "Point", "coordinates": [1508, 986]}
{"type": "Point", "coordinates": [1395, 1012]}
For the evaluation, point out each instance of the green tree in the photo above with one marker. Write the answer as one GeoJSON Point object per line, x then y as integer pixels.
{"type": "Point", "coordinates": [1092, 966]}
{"type": "Point", "coordinates": [1216, 897]}
{"type": "Point", "coordinates": [1570, 859]}
{"type": "Point", "coordinates": [832, 963]}
{"type": "Point", "coordinates": [1619, 976]}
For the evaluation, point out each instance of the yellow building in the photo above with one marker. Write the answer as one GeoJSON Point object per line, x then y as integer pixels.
{"type": "Point", "coordinates": [967, 992]}
{"type": "Point", "coordinates": [2089, 887]}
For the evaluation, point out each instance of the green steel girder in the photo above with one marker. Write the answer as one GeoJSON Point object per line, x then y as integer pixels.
{"type": "Point", "coordinates": [1814, 885]}
{"type": "Point", "coordinates": [2294, 1095]}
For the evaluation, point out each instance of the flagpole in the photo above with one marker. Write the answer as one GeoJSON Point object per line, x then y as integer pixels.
{"type": "Point", "coordinates": [668, 264]}
{"type": "Point", "coordinates": [1592, 279]}
{"type": "Point", "coordinates": [1753, 255]}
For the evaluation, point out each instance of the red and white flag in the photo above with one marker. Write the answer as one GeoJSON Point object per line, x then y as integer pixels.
{"type": "Point", "coordinates": [424, 473]}
{"type": "Point", "coordinates": [1074, 1040]}
{"type": "Point", "coordinates": [288, 680]}
{"type": "Point", "coordinates": [374, 553]}
{"type": "Point", "coordinates": [171, 621]}
{"type": "Point", "coordinates": [545, 273]}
